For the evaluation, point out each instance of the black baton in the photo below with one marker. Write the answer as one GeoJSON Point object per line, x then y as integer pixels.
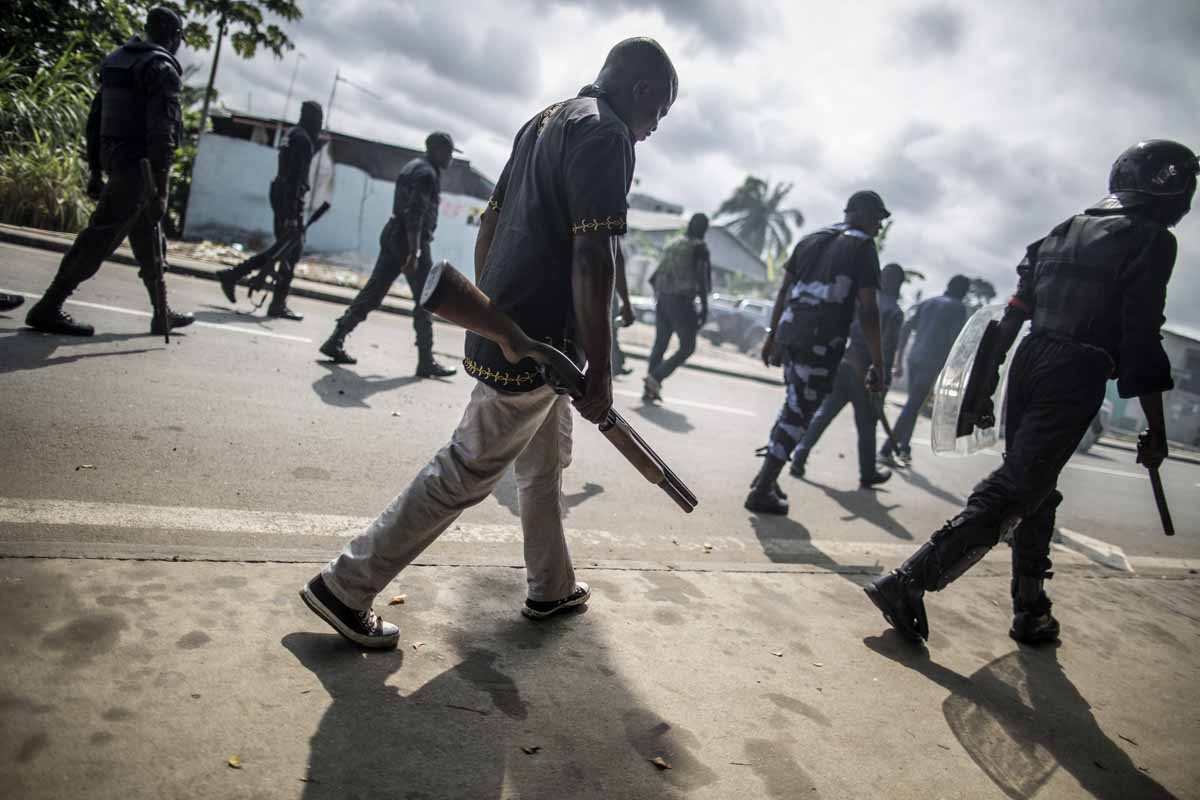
{"type": "Point", "coordinates": [1160, 500]}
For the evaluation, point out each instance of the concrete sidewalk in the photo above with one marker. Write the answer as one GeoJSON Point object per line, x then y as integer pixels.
{"type": "Point", "coordinates": [707, 359]}
{"type": "Point", "coordinates": [145, 679]}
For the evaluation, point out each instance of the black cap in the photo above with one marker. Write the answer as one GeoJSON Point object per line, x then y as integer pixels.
{"type": "Point", "coordinates": [442, 138]}
{"type": "Point", "coordinates": [869, 202]}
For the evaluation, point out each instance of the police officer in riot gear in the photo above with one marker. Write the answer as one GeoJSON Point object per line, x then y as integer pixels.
{"type": "Point", "coordinates": [288, 192]}
{"type": "Point", "coordinates": [135, 115]}
{"type": "Point", "coordinates": [1094, 289]}
{"type": "Point", "coordinates": [404, 247]}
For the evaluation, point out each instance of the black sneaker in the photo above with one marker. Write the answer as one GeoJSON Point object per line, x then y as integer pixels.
{"type": "Point", "coordinates": [432, 369]}
{"type": "Point", "coordinates": [176, 319]}
{"type": "Point", "coordinates": [364, 628]}
{"type": "Point", "coordinates": [10, 301]}
{"type": "Point", "coordinates": [283, 312]}
{"type": "Point", "coordinates": [540, 609]}
{"type": "Point", "coordinates": [871, 481]}
{"type": "Point", "coordinates": [335, 349]}
{"type": "Point", "coordinates": [49, 318]}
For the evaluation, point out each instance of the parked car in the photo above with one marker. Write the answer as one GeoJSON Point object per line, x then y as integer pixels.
{"type": "Point", "coordinates": [740, 322]}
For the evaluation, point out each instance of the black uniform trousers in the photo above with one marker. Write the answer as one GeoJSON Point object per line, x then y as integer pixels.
{"type": "Point", "coordinates": [118, 213]}
{"type": "Point", "coordinates": [1055, 388]}
{"type": "Point", "coordinates": [288, 258]}
{"type": "Point", "coordinates": [393, 251]}
{"type": "Point", "coordinates": [673, 314]}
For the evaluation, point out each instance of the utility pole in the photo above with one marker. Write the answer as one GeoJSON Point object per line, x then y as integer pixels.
{"type": "Point", "coordinates": [288, 100]}
{"type": "Point", "coordinates": [337, 78]}
{"type": "Point", "coordinates": [212, 73]}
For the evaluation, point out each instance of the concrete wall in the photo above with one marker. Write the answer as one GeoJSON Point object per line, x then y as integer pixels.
{"type": "Point", "coordinates": [229, 204]}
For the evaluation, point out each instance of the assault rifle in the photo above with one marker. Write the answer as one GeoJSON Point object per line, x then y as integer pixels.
{"type": "Point", "coordinates": [450, 295]}
{"type": "Point", "coordinates": [158, 257]}
{"type": "Point", "coordinates": [264, 281]}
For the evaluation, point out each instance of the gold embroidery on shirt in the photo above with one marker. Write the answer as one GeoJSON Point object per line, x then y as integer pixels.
{"type": "Point", "coordinates": [496, 376]}
{"type": "Point", "coordinates": [592, 226]}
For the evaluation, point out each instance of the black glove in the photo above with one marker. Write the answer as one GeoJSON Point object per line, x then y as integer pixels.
{"type": "Point", "coordinates": [1151, 448]}
{"type": "Point", "coordinates": [95, 185]}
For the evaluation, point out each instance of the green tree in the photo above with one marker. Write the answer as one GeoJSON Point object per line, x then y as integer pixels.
{"type": "Point", "coordinates": [980, 293]}
{"type": "Point", "coordinates": [758, 218]}
{"type": "Point", "coordinates": [243, 20]}
{"type": "Point", "coordinates": [35, 33]}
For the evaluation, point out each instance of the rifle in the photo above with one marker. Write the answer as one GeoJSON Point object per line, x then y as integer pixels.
{"type": "Point", "coordinates": [159, 267]}
{"type": "Point", "coordinates": [450, 295]}
{"type": "Point", "coordinates": [260, 282]}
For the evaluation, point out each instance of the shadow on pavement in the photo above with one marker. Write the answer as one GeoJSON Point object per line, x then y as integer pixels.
{"type": "Point", "coordinates": [1020, 718]}
{"type": "Point", "coordinates": [786, 541]}
{"type": "Point", "coordinates": [919, 481]}
{"type": "Point", "coordinates": [347, 389]}
{"type": "Point", "coordinates": [220, 314]}
{"type": "Point", "coordinates": [506, 494]}
{"type": "Point", "coordinates": [664, 418]}
{"type": "Point", "coordinates": [866, 505]}
{"type": "Point", "coordinates": [29, 349]}
{"type": "Point", "coordinates": [526, 710]}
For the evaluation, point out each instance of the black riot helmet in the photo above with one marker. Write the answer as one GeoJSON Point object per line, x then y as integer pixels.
{"type": "Point", "coordinates": [164, 27]}
{"type": "Point", "coordinates": [1152, 172]}
{"type": "Point", "coordinates": [311, 118]}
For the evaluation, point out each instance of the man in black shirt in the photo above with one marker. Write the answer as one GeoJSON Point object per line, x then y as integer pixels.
{"type": "Point", "coordinates": [545, 257]}
{"type": "Point", "coordinates": [288, 191]}
{"type": "Point", "coordinates": [134, 115]}
{"type": "Point", "coordinates": [828, 273]}
{"type": "Point", "coordinates": [404, 247]}
{"type": "Point", "coordinates": [848, 386]}
{"type": "Point", "coordinates": [1095, 288]}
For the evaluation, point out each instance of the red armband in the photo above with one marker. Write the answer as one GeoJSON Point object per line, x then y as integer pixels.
{"type": "Point", "coordinates": [1018, 304]}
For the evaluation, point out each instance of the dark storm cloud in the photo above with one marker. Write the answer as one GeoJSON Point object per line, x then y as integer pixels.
{"type": "Point", "coordinates": [906, 183]}
{"type": "Point", "coordinates": [723, 24]}
{"type": "Point", "coordinates": [933, 31]}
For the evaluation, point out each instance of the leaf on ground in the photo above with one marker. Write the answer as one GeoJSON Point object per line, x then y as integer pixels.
{"type": "Point", "coordinates": [707, 547]}
{"type": "Point", "coordinates": [777, 653]}
{"type": "Point", "coordinates": [1131, 741]}
{"type": "Point", "coordinates": [85, 466]}
{"type": "Point", "coordinates": [659, 762]}
{"type": "Point", "coordinates": [397, 414]}
{"type": "Point", "coordinates": [309, 780]}
{"type": "Point", "coordinates": [235, 761]}
{"type": "Point", "coordinates": [418, 645]}
{"type": "Point", "coordinates": [818, 664]}
{"type": "Point", "coordinates": [397, 600]}
{"type": "Point", "coordinates": [532, 750]}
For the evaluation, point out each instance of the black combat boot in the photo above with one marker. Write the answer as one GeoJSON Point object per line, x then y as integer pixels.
{"type": "Point", "coordinates": [899, 595]}
{"type": "Point", "coordinates": [335, 346]}
{"type": "Point", "coordinates": [427, 367]}
{"type": "Point", "coordinates": [175, 319]}
{"type": "Point", "coordinates": [229, 280]}
{"type": "Point", "coordinates": [764, 497]}
{"type": "Point", "coordinates": [278, 308]}
{"type": "Point", "coordinates": [871, 481]}
{"type": "Point", "coordinates": [47, 315]}
{"type": "Point", "coordinates": [1032, 621]}
{"type": "Point", "coordinates": [10, 301]}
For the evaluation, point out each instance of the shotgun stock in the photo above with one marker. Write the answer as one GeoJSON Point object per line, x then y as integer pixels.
{"type": "Point", "coordinates": [450, 295]}
{"type": "Point", "coordinates": [149, 196]}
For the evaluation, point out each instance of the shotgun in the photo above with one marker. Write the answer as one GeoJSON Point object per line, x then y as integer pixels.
{"type": "Point", "coordinates": [159, 267]}
{"type": "Point", "coordinates": [449, 294]}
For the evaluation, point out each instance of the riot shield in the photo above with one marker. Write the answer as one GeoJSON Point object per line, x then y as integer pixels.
{"type": "Point", "coordinates": [951, 389]}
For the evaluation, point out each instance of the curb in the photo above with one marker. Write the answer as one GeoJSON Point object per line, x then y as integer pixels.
{"type": "Point", "coordinates": [301, 287]}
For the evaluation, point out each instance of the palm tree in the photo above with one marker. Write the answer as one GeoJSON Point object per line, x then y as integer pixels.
{"type": "Point", "coordinates": [758, 219]}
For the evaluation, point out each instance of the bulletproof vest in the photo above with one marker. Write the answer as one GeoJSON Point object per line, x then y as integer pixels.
{"type": "Point", "coordinates": [123, 92]}
{"type": "Point", "coordinates": [296, 137]}
{"type": "Point", "coordinates": [405, 184]}
{"type": "Point", "coordinates": [1077, 278]}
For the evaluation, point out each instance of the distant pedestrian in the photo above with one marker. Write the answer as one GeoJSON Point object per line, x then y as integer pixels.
{"type": "Point", "coordinates": [134, 115]}
{"type": "Point", "coordinates": [829, 271]}
{"type": "Point", "coordinates": [936, 323]}
{"type": "Point", "coordinates": [288, 192]}
{"type": "Point", "coordinates": [683, 275]}
{"type": "Point", "coordinates": [545, 257]}
{"type": "Point", "coordinates": [849, 386]}
{"type": "Point", "coordinates": [404, 248]}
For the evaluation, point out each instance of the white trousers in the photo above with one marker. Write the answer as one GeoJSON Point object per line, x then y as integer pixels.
{"type": "Point", "coordinates": [531, 431]}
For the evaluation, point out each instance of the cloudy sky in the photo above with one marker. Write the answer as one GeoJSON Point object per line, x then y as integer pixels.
{"type": "Point", "coordinates": [982, 124]}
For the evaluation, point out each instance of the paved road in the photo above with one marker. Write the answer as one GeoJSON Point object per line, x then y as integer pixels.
{"type": "Point", "coordinates": [237, 439]}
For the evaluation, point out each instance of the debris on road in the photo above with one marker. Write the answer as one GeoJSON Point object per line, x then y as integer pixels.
{"type": "Point", "coordinates": [85, 466]}
{"type": "Point", "coordinates": [659, 762]}
{"type": "Point", "coordinates": [397, 600]}
{"type": "Point", "coordinates": [235, 761]}
{"type": "Point", "coordinates": [532, 750]}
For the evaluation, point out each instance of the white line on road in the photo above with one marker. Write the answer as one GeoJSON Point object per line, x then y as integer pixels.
{"type": "Point", "coordinates": [216, 325]}
{"type": "Point", "coordinates": [671, 401]}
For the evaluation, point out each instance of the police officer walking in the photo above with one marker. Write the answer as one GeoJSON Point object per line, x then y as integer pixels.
{"type": "Point", "coordinates": [829, 271]}
{"type": "Point", "coordinates": [1095, 288]}
{"type": "Point", "coordinates": [684, 274]}
{"type": "Point", "coordinates": [287, 194]}
{"type": "Point", "coordinates": [848, 386]}
{"type": "Point", "coordinates": [135, 115]}
{"type": "Point", "coordinates": [404, 247]}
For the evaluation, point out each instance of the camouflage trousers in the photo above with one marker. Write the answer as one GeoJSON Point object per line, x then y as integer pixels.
{"type": "Point", "coordinates": [809, 379]}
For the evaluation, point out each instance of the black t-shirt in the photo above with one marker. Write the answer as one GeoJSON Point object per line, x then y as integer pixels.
{"type": "Point", "coordinates": [827, 269]}
{"type": "Point", "coordinates": [569, 173]}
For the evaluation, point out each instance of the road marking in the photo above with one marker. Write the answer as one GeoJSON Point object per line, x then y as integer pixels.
{"type": "Point", "coordinates": [215, 325]}
{"type": "Point", "coordinates": [671, 401]}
